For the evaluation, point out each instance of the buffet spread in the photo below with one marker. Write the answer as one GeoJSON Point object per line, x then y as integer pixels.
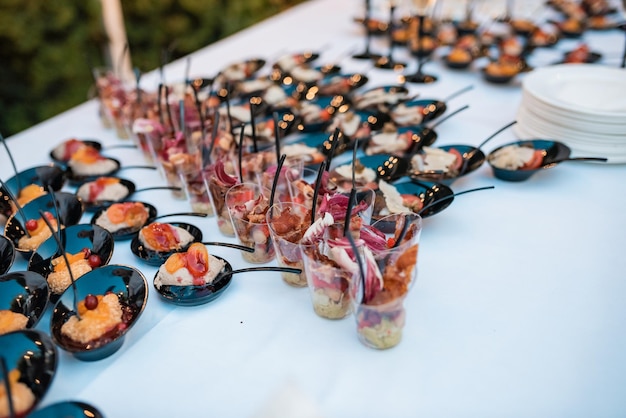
{"type": "Point", "coordinates": [326, 206]}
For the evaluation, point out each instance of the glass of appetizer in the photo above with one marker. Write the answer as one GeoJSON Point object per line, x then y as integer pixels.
{"type": "Point", "coordinates": [218, 177]}
{"type": "Point", "coordinates": [189, 169]}
{"type": "Point", "coordinates": [380, 293]}
{"type": "Point", "coordinates": [288, 222]}
{"type": "Point", "coordinates": [247, 205]}
{"type": "Point", "coordinates": [302, 189]}
{"type": "Point", "coordinates": [330, 266]}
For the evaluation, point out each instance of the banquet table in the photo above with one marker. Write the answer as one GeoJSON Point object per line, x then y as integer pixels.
{"type": "Point", "coordinates": [518, 309]}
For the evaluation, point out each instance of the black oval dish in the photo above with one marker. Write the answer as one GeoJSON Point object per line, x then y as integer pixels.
{"type": "Point", "coordinates": [197, 295]}
{"type": "Point", "coordinates": [7, 254]}
{"type": "Point", "coordinates": [497, 79]}
{"type": "Point", "coordinates": [129, 232]}
{"type": "Point", "coordinates": [52, 175]}
{"type": "Point", "coordinates": [75, 178]}
{"type": "Point", "coordinates": [156, 258]}
{"type": "Point", "coordinates": [46, 175]}
{"type": "Point", "coordinates": [241, 70]}
{"type": "Point", "coordinates": [92, 206]}
{"type": "Point", "coordinates": [552, 150]}
{"type": "Point", "coordinates": [126, 282]}
{"type": "Point", "coordinates": [34, 355]}
{"type": "Point", "coordinates": [428, 109]}
{"type": "Point", "coordinates": [67, 409]}
{"type": "Point", "coordinates": [473, 158]}
{"type": "Point", "coordinates": [74, 238]}
{"type": "Point", "coordinates": [377, 97]}
{"type": "Point", "coordinates": [70, 211]}
{"type": "Point", "coordinates": [94, 144]}
{"type": "Point", "coordinates": [427, 192]}
{"type": "Point", "coordinates": [24, 292]}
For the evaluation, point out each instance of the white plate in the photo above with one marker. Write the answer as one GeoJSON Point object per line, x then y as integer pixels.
{"type": "Point", "coordinates": [571, 129]}
{"type": "Point", "coordinates": [591, 89]}
{"type": "Point", "coordinates": [573, 120]}
{"type": "Point", "coordinates": [524, 132]}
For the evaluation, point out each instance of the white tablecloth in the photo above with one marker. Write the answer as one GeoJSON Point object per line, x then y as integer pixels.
{"type": "Point", "coordinates": [518, 310]}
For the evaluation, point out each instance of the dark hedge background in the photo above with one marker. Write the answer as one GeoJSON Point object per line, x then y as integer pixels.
{"type": "Point", "coordinates": [47, 48]}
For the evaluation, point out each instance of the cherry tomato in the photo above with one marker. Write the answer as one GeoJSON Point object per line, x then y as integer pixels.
{"type": "Point", "coordinates": [91, 302]}
{"type": "Point", "coordinates": [31, 224]}
{"type": "Point", "coordinates": [94, 261]}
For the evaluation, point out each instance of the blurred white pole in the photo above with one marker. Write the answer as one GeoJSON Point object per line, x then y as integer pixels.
{"type": "Point", "coordinates": [113, 19]}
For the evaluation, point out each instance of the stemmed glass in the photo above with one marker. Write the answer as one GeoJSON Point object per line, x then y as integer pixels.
{"type": "Point", "coordinates": [367, 54]}
{"type": "Point", "coordinates": [386, 61]}
{"type": "Point", "coordinates": [423, 8]}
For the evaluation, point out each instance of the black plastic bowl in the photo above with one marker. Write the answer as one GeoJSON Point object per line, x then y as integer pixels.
{"type": "Point", "coordinates": [127, 283]}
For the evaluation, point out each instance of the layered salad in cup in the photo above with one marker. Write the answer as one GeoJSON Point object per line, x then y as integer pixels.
{"type": "Point", "coordinates": [330, 266]}
{"type": "Point", "coordinates": [218, 182]}
{"type": "Point", "coordinates": [248, 204]}
{"type": "Point", "coordinates": [288, 222]}
{"type": "Point", "coordinates": [379, 297]}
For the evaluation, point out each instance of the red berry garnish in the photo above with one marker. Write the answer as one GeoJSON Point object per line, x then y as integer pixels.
{"type": "Point", "coordinates": [31, 224]}
{"type": "Point", "coordinates": [86, 251]}
{"type": "Point", "coordinates": [91, 302]}
{"type": "Point", "coordinates": [94, 261]}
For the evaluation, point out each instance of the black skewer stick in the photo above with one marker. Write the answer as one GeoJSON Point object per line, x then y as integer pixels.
{"type": "Point", "coordinates": [18, 207]}
{"type": "Point", "coordinates": [241, 153]}
{"type": "Point", "coordinates": [351, 202]}
{"type": "Point", "coordinates": [137, 72]}
{"type": "Point", "coordinates": [255, 147]}
{"type": "Point", "coordinates": [316, 190]}
{"type": "Point", "coordinates": [333, 146]}
{"type": "Point", "coordinates": [67, 261]}
{"type": "Point", "coordinates": [214, 133]}
{"type": "Point", "coordinates": [359, 262]}
{"type": "Point", "coordinates": [198, 104]}
{"type": "Point", "coordinates": [279, 168]}
{"type": "Point", "coordinates": [17, 177]}
{"type": "Point", "coordinates": [7, 386]}
{"type": "Point", "coordinates": [170, 119]}
{"type": "Point", "coordinates": [277, 135]}
{"type": "Point", "coordinates": [181, 115]}
{"type": "Point", "coordinates": [160, 105]}
{"type": "Point", "coordinates": [230, 117]}
{"type": "Point", "coordinates": [354, 160]}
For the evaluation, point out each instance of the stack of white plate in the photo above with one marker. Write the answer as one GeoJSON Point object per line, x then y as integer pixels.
{"type": "Point", "coordinates": [581, 105]}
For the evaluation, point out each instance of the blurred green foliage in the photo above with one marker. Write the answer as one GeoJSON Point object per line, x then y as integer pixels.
{"type": "Point", "coordinates": [47, 48]}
